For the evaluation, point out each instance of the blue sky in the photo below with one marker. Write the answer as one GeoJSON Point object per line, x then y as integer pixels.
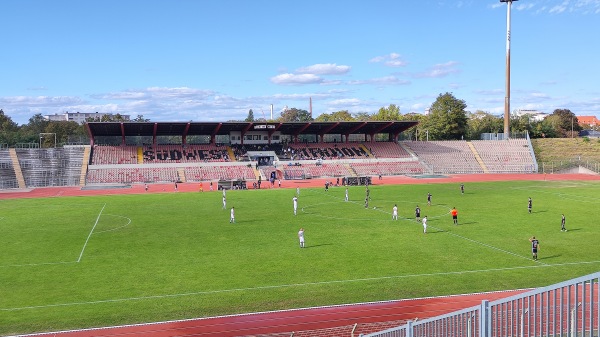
{"type": "Point", "coordinates": [182, 60]}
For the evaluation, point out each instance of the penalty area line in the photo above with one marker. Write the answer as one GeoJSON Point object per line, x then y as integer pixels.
{"type": "Point", "coordinates": [197, 293]}
{"type": "Point", "coordinates": [90, 234]}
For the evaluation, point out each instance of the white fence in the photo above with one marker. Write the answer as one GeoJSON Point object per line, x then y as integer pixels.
{"type": "Point", "coordinates": [568, 309]}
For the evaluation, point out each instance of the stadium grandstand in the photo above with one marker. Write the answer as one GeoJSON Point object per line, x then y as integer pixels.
{"type": "Point", "coordinates": [155, 152]}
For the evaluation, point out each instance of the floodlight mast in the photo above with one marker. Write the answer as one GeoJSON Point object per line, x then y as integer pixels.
{"type": "Point", "coordinates": [507, 97]}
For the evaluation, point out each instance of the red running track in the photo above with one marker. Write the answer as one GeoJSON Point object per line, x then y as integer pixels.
{"type": "Point", "coordinates": [315, 321]}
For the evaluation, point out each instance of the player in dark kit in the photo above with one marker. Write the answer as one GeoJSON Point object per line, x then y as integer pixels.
{"type": "Point", "coordinates": [428, 199]}
{"type": "Point", "coordinates": [462, 188]}
{"type": "Point", "coordinates": [418, 213]}
{"type": "Point", "coordinates": [529, 205]}
{"type": "Point", "coordinates": [535, 245]}
{"type": "Point", "coordinates": [562, 223]}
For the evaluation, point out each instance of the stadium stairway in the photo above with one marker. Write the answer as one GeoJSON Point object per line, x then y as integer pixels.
{"type": "Point", "coordinates": [17, 167]}
{"type": "Point", "coordinates": [479, 160]}
{"type": "Point", "coordinates": [350, 169]}
{"type": "Point", "coordinates": [140, 155]}
{"type": "Point", "coordinates": [411, 152]}
{"type": "Point", "coordinates": [366, 150]}
{"type": "Point", "coordinates": [84, 165]}
{"type": "Point", "coordinates": [231, 154]}
{"type": "Point", "coordinates": [256, 173]}
{"type": "Point", "coordinates": [181, 174]}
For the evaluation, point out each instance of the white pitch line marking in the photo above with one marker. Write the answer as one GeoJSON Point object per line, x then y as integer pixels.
{"type": "Point", "coordinates": [90, 234]}
{"type": "Point", "coordinates": [117, 300]}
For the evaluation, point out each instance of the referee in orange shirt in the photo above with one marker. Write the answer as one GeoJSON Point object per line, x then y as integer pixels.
{"type": "Point", "coordinates": [454, 213]}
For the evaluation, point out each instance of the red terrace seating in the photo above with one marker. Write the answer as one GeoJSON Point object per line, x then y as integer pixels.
{"type": "Point", "coordinates": [104, 154]}
{"type": "Point", "coordinates": [185, 154]}
{"type": "Point", "coordinates": [387, 150]}
{"type": "Point", "coordinates": [327, 151]}
{"type": "Point", "coordinates": [506, 156]}
{"type": "Point", "coordinates": [313, 170]}
{"type": "Point", "coordinates": [131, 175]}
{"type": "Point", "coordinates": [388, 168]}
{"type": "Point", "coordinates": [205, 173]}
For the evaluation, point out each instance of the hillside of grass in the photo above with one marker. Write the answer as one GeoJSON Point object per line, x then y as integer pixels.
{"type": "Point", "coordinates": [566, 149]}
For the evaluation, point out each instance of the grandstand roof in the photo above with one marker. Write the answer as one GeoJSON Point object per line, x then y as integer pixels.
{"type": "Point", "coordinates": [124, 129]}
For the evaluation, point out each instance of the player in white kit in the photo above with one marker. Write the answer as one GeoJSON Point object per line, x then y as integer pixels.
{"type": "Point", "coordinates": [301, 237]}
{"type": "Point", "coordinates": [295, 199]}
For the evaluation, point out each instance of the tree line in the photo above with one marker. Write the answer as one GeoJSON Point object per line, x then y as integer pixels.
{"type": "Point", "coordinates": [448, 119]}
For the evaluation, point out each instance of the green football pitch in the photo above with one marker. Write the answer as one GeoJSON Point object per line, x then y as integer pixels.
{"type": "Point", "coordinates": [74, 262]}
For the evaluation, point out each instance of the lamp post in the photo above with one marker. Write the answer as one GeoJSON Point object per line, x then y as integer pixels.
{"type": "Point", "coordinates": [507, 97]}
{"type": "Point", "coordinates": [41, 137]}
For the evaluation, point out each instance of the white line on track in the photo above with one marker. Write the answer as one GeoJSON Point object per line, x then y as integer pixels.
{"type": "Point", "coordinates": [118, 300]}
{"type": "Point", "coordinates": [89, 235]}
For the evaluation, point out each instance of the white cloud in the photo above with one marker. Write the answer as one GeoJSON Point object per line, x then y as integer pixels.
{"type": "Point", "coordinates": [556, 6]}
{"type": "Point", "coordinates": [345, 102]}
{"type": "Point", "coordinates": [524, 6]}
{"type": "Point", "coordinates": [391, 60]}
{"type": "Point", "coordinates": [387, 80]}
{"type": "Point", "coordinates": [51, 101]}
{"type": "Point", "coordinates": [439, 70]}
{"type": "Point", "coordinates": [295, 79]}
{"type": "Point", "coordinates": [324, 69]}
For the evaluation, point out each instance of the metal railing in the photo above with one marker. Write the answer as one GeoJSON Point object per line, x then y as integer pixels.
{"type": "Point", "coordinates": [568, 309]}
{"type": "Point", "coordinates": [559, 166]}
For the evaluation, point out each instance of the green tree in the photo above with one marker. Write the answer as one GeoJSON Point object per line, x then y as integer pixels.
{"type": "Point", "coordinates": [62, 129]}
{"type": "Point", "coordinates": [295, 115]}
{"type": "Point", "coordinates": [9, 130]}
{"type": "Point", "coordinates": [140, 119]}
{"type": "Point", "coordinates": [250, 117]}
{"type": "Point", "coordinates": [543, 129]}
{"type": "Point", "coordinates": [564, 121]}
{"type": "Point", "coordinates": [113, 118]}
{"type": "Point", "coordinates": [338, 116]}
{"type": "Point", "coordinates": [362, 116]}
{"type": "Point", "coordinates": [447, 118]}
{"type": "Point", "coordinates": [483, 122]}
{"type": "Point", "coordinates": [37, 123]}
{"type": "Point", "coordinates": [391, 113]}
{"type": "Point", "coordinates": [523, 123]}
